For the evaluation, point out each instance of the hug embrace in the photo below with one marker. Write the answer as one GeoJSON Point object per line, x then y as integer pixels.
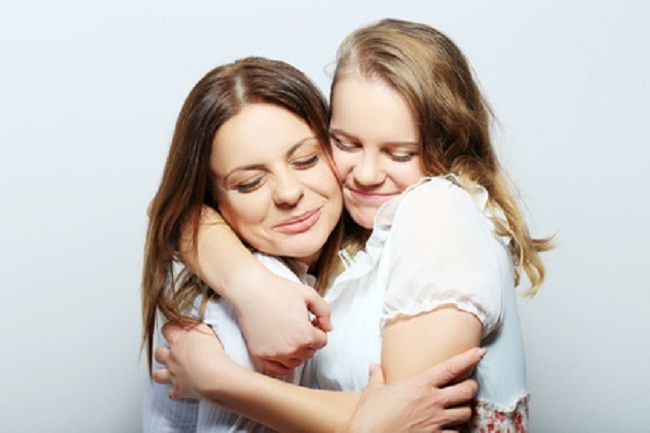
{"type": "Point", "coordinates": [294, 246]}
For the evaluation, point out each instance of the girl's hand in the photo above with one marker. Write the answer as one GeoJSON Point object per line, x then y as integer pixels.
{"type": "Point", "coordinates": [195, 357]}
{"type": "Point", "coordinates": [277, 323]}
{"type": "Point", "coordinates": [275, 314]}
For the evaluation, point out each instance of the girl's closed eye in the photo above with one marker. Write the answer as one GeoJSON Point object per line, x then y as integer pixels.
{"type": "Point", "coordinates": [401, 155]}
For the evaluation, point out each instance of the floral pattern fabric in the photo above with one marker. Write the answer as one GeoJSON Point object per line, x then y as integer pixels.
{"type": "Point", "coordinates": [488, 418]}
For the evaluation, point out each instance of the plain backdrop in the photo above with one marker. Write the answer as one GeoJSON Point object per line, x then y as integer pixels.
{"type": "Point", "coordinates": [89, 92]}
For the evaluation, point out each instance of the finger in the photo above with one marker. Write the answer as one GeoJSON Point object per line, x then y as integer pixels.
{"type": "Point", "coordinates": [274, 367]}
{"type": "Point", "coordinates": [162, 355]}
{"type": "Point", "coordinates": [170, 330]}
{"type": "Point", "coordinates": [461, 393]}
{"type": "Point", "coordinates": [318, 336]}
{"type": "Point", "coordinates": [457, 415]}
{"type": "Point", "coordinates": [303, 355]}
{"type": "Point", "coordinates": [291, 362]}
{"type": "Point", "coordinates": [321, 310]}
{"type": "Point", "coordinates": [174, 394]}
{"type": "Point", "coordinates": [446, 372]}
{"type": "Point", "coordinates": [377, 378]}
{"type": "Point", "coordinates": [161, 376]}
{"type": "Point", "coordinates": [294, 362]}
{"type": "Point", "coordinates": [149, 207]}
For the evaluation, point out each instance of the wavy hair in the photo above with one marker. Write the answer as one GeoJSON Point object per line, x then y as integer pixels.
{"type": "Point", "coordinates": [186, 185]}
{"type": "Point", "coordinates": [435, 79]}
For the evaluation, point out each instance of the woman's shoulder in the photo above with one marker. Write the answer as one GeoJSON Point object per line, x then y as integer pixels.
{"type": "Point", "coordinates": [292, 270]}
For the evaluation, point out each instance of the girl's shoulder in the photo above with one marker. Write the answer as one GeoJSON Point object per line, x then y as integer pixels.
{"type": "Point", "coordinates": [435, 195]}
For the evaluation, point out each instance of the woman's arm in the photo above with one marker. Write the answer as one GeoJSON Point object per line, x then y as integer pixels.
{"type": "Point", "coordinates": [231, 270]}
{"type": "Point", "coordinates": [197, 367]}
{"type": "Point", "coordinates": [160, 414]}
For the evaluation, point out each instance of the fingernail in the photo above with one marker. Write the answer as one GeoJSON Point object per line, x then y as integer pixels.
{"type": "Point", "coordinates": [482, 351]}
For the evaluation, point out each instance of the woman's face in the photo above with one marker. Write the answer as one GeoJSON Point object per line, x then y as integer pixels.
{"type": "Point", "coordinates": [375, 144]}
{"type": "Point", "coordinates": [273, 182]}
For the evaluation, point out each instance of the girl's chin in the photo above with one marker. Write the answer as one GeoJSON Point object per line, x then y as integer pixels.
{"type": "Point", "coordinates": [365, 218]}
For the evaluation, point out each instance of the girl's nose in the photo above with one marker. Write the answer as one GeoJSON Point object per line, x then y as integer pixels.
{"type": "Point", "coordinates": [368, 169]}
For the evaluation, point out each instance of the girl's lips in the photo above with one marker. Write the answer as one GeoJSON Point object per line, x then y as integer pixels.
{"type": "Point", "coordinates": [369, 196]}
{"type": "Point", "coordinates": [299, 224]}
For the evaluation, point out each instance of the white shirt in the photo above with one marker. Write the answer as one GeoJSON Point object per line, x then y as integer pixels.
{"type": "Point", "coordinates": [162, 415]}
{"type": "Point", "coordinates": [434, 245]}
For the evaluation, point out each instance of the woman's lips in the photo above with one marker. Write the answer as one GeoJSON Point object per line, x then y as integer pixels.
{"type": "Point", "coordinates": [299, 224]}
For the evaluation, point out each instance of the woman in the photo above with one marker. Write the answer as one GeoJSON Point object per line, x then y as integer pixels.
{"type": "Point", "coordinates": [249, 141]}
{"type": "Point", "coordinates": [411, 145]}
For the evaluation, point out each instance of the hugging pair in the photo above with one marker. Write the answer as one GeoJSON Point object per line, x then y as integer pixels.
{"type": "Point", "coordinates": [391, 204]}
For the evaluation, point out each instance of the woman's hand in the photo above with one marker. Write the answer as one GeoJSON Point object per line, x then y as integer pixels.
{"type": "Point", "coordinates": [421, 403]}
{"type": "Point", "coordinates": [263, 300]}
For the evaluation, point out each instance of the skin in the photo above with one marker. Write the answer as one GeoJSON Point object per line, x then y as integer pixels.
{"type": "Point", "coordinates": [375, 148]}
{"type": "Point", "coordinates": [198, 368]}
{"type": "Point", "coordinates": [375, 145]}
{"type": "Point", "coordinates": [273, 183]}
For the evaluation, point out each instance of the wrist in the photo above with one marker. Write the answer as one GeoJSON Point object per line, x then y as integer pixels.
{"type": "Point", "coordinates": [248, 284]}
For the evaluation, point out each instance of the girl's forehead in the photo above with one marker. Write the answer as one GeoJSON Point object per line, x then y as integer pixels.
{"type": "Point", "coordinates": [371, 108]}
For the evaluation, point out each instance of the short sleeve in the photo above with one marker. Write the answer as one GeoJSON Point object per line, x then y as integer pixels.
{"type": "Point", "coordinates": [441, 251]}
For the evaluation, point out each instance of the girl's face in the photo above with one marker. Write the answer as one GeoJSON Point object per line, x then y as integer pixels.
{"type": "Point", "coordinates": [375, 145]}
{"type": "Point", "coordinates": [273, 182]}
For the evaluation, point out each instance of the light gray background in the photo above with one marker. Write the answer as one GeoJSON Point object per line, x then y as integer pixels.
{"type": "Point", "coordinates": [89, 92]}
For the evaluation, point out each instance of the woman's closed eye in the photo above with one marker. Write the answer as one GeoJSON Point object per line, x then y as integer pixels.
{"type": "Point", "coordinates": [344, 146]}
{"type": "Point", "coordinates": [249, 185]}
{"type": "Point", "coordinates": [306, 161]}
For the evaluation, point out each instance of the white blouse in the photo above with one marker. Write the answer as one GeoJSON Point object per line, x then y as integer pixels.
{"type": "Point", "coordinates": [433, 245]}
{"type": "Point", "coordinates": [162, 415]}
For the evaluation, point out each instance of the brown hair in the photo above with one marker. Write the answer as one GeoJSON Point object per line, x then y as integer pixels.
{"type": "Point", "coordinates": [435, 79]}
{"type": "Point", "coordinates": [186, 184]}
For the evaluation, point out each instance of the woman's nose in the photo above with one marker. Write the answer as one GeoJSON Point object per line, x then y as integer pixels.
{"type": "Point", "coordinates": [288, 190]}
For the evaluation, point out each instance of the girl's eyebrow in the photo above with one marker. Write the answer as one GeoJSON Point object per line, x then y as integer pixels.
{"type": "Point", "coordinates": [250, 167]}
{"type": "Point", "coordinates": [336, 131]}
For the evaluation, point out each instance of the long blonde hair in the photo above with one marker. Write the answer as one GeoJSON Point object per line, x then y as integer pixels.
{"type": "Point", "coordinates": [186, 185]}
{"type": "Point", "coordinates": [435, 79]}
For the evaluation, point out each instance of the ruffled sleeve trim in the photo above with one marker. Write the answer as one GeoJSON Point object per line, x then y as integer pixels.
{"type": "Point", "coordinates": [441, 253]}
{"type": "Point", "coordinates": [415, 308]}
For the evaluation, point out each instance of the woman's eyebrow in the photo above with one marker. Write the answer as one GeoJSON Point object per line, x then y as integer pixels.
{"type": "Point", "coordinates": [299, 144]}
{"type": "Point", "coordinates": [249, 167]}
